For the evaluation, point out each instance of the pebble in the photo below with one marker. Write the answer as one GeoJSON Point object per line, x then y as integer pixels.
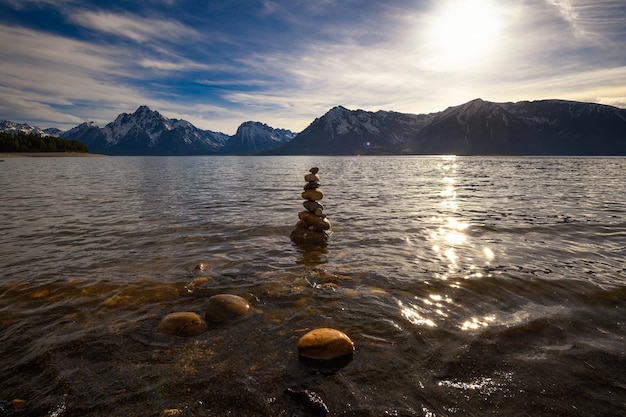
{"type": "Point", "coordinates": [18, 404]}
{"type": "Point", "coordinates": [170, 412]}
{"type": "Point", "coordinates": [325, 343]}
{"type": "Point", "coordinates": [311, 185]}
{"type": "Point", "coordinates": [312, 205]}
{"type": "Point", "coordinates": [313, 195]}
{"type": "Point", "coordinates": [314, 170]}
{"type": "Point", "coordinates": [182, 323]}
{"type": "Point", "coordinates": [225, 307]}
{"type": "Point", "coordinates": [314, 222]}
{"type": "Point", "coordinates": [311, 177]}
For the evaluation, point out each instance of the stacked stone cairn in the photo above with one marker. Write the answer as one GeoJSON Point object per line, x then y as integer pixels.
{"type": "Point", "coordinates": [313, 227]}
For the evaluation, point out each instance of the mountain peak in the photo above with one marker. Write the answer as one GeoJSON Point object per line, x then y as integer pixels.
{"type": "Point", "coordinates": [143, 109]}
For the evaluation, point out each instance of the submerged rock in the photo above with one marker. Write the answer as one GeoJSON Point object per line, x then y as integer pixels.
{"type": "Point", "coordinates": [225, 307]}
{"type": "Point", "coordinates": [311, 237]}
{"type": "Point", "coordinates": [309, 400]}
{"type": "Point", "coordinates": [183, 323]}
{"type": "Point", "coordinates": [325, 343]}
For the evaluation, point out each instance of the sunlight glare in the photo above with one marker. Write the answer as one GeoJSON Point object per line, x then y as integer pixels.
{"type": "Point", "coordinates": [463, 33]}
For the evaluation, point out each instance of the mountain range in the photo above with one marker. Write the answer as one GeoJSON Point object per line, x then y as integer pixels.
{"type": "Point", "coordinates": [478, 127]}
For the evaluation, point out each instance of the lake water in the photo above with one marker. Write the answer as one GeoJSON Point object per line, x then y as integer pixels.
{"type": "Point", "coordinates": [471, 286]}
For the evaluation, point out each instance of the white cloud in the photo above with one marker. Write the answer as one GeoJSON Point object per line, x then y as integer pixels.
{"type": "Point", "coordinates": [137, 28]}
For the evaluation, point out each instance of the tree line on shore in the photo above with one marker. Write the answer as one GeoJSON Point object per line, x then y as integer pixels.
{"type": "Point", "coordinates": [28, 142]}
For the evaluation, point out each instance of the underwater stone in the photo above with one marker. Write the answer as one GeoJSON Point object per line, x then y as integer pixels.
{"type": "Point", "coordinates": [201, 267]}
{"type": "Point", "coordinates": [225, 307]}
{"type": "Point", "coordinates": [309, 400]}
{"type": "Point", "coordinates": [182, 323]}
{"type": "Point", "coordinates": [325, 343]}
{"type": "Point", "coordinates": [306, 236]}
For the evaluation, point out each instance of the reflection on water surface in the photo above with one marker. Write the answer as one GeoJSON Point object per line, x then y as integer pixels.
{"type": "Point", "coordinates": [470, 286]}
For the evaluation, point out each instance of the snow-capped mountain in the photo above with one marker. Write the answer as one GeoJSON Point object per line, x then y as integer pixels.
{"type": "Point", "coordinates": [478, 127]}
{"type": "Point", "coordinates": [343, 131]}
{"type": "Point", "coordinates": [147, 132]}
{"type": "Point", "coordinates": [546, 127]}
{"type": "Point", "coordinates": [256, 136]}
{"type": "Point", "coordinates": [14, 128]}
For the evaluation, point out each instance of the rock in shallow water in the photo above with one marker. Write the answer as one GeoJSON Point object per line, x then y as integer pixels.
{"type": "Point", "coordinates": [224, 307]}
{"type": "Point", "coordinates": [310, 237]}
{"type": "Point", "coordinates": [309, 400]}
{"type": "Point", "coordinates": [325, 343]}
{"type": "Point", "coordinates": [182, 323]}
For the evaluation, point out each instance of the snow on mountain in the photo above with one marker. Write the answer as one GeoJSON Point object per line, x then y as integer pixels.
{"type": "Point", "coordinates": [14, 128]}
{"type": "Point", "coordinates": [147, 132]}
{"type": "Point", "coordinates": [343, 131]}
{"type": "Point", "coordinates": [256, 136]}
{"type": "Point", "coordinates": [478, 127]}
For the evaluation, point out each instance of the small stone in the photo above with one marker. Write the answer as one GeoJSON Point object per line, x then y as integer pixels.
{"type": "Point", "coordinates": [201, 267]}
{"type": "Point", "coordinates": [311, 177]}
{"type": "Point", "coordinates": [225, 307]}
{"type": "Point", "coordinates": [312, 205]}
{"type": "Point", "coordinates": [18, 404]}
{"type": "Point", "coordinates": [170, 412]}
{"type": "Point", "coordinates": [314, 170]}
{"type": "Point", "coordinates": [183, 323]}
{"type": "Point", "coordinates": [313, 195]}
{"type": "Point", "coordinates": [325, 343]}
{"type": "Point", "coordinates": [319, 212]}
{"type": "Point", "coordinates": [311, 185]}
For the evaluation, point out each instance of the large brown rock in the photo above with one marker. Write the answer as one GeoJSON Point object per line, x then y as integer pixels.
{"type": "Point", "coordinates": [225, 307]}
{"type": "Point", "coordinates": [310, 237]}
{"type": "Point", "coordinates": [182, 323]}
{"type": "Point", "coordinates": [325, 343]}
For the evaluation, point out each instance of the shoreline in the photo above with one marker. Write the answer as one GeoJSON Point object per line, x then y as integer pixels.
{"type": "Point", "coordinates": [48, 154]}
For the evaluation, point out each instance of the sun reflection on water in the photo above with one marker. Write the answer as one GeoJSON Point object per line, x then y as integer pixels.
{"type": "Point", "coordinates": [460, 259]}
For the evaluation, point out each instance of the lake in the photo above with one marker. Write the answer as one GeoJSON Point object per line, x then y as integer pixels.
{"type": "Point", "coordinates": [470, 286]}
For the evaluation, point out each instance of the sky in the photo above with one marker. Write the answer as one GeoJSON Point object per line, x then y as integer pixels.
{"type": "Point", "coordinates": [220, 63]}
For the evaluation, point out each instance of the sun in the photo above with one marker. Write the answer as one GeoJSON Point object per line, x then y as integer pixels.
{"type": "Point", "coordinates": [462, 33]}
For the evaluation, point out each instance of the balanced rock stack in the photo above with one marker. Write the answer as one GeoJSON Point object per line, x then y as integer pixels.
{"type": "Point", "coordinates": [313, 226]}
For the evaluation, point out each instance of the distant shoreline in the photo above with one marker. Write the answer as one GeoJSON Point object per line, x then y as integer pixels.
{"type": "Point", "coordinates": [48, 154]}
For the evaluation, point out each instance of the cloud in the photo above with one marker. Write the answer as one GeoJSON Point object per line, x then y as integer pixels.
{"type": "Point", "coordinates": [287, 62]}
{"type": "Point", "coordinates": [134, 27]}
